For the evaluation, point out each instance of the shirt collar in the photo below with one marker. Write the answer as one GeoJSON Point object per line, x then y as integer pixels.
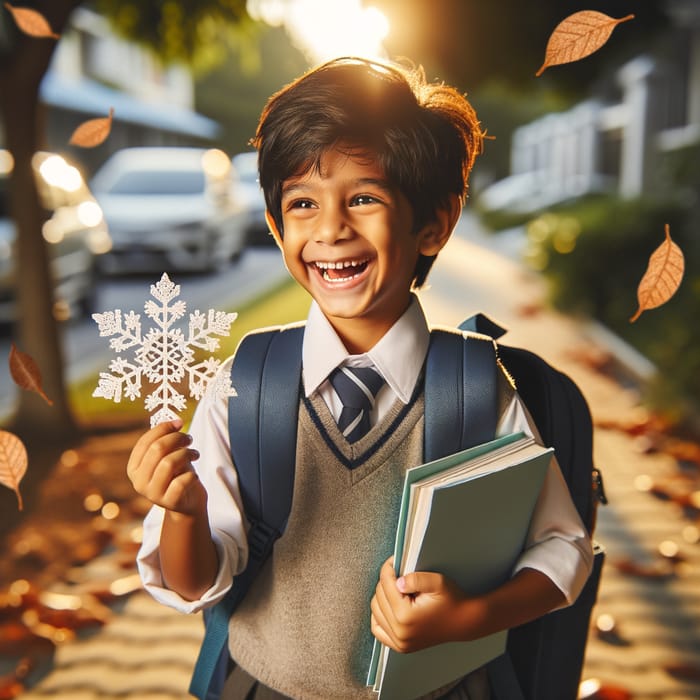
{"type": "Point", "coordinates": [399, 354]}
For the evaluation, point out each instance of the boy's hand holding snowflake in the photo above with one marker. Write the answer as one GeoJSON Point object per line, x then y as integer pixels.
{"type": "Point", "coordinates": [160, 469]}
{"type": "Point", "coordinates": [164, 355]}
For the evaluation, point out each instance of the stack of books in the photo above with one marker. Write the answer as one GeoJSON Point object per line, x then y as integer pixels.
{"type": "Point", "coordinates": [465, 516]}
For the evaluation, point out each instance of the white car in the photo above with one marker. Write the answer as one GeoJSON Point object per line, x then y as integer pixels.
{"type": "Point", "coordinates": [249, 195]}
{"type": "Point", "coordinates": [169, 208]}
{"type": "Point", "coordinates": [73, 227]}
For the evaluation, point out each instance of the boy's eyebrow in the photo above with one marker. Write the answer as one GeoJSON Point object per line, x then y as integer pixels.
{"type": "Point", "coordinates": [302, 186]}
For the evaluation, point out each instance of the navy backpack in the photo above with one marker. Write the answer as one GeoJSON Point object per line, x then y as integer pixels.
{"type": "Point", "coordinates": [544, 657]}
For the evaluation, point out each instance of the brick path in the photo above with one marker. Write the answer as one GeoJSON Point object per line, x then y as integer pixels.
{"type": "Point", "coordinates": [653, 651]}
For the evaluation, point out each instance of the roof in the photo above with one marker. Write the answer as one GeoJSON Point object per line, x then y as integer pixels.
{"type": "Point", "coordinates": [91, 97]}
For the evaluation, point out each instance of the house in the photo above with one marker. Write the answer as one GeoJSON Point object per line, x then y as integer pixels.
{"type": "Point", "coordinates": [604, 145]}
{"type": "Point", "coordinates": [93, 70]}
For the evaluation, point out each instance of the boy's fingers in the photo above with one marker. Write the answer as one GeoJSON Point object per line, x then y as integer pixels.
{"type": "Point", "coordinates": [419, 582]}
{"type": "Point", "coordinates": [379, 632]}
{"type": "Point", "coordinates": [387, 580]}
{"type": "Point", "coordinates": [177, 489]}
{"type": "Point", "coordinates": [148, 438]}
{"type": "Point", "coordinates": [156, 450]}
{"type": "Point", "coordinates": [168, 469]}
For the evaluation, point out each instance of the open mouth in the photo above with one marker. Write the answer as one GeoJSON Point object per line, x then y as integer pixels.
{"type": "Point", "coordinates": [341, 271]}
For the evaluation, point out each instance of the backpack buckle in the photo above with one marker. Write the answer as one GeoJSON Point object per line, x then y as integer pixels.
{"type": "Point", "coordinates": [261, 537]}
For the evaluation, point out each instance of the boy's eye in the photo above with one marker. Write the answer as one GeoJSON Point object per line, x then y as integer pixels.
{"type": "Point", "coordinates": [301, 204]}
{"type": "Point", "coordinates": [361, 199]}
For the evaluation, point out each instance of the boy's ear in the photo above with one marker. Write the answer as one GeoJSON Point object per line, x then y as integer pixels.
{"type": "Point", "coordinates": [273, 227]}
{"type": "Point", "coordinates": [436, 232]}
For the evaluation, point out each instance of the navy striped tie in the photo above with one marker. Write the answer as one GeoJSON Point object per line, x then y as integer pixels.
{"type": "Point", "coordinates": [357, 388]}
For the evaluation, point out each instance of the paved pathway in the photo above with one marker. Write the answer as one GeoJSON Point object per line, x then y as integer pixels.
{"type": "Point", "coordinates": [653, 648]}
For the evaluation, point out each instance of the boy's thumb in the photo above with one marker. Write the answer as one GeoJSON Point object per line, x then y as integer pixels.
{"type": "Point", "coordinates": [416, 582]}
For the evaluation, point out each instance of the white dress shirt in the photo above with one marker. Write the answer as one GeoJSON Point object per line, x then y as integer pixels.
{"type": "Point", "coordinates": [557, 543]}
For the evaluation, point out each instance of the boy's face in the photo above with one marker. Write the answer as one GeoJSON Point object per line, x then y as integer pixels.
{"type": "Point", "coordinates": [348, 241]}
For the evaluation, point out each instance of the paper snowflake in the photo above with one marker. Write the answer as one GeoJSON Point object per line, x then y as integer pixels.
{"type": "Point", "coordinates": [164, 356]}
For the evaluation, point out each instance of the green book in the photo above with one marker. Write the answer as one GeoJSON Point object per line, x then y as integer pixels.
{"type": "Point", "coordinates": [465, 516]}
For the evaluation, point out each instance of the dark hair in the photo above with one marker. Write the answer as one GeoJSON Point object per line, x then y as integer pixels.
{"type": "Point", "coordinates": [425, 136]}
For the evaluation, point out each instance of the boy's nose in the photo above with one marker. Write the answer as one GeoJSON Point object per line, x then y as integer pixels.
{"type": "Point", "coordinates": [332, 227]}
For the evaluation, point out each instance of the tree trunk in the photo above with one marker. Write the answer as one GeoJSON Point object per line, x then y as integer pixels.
{"type": "Point", "coordinates": [38, 333]}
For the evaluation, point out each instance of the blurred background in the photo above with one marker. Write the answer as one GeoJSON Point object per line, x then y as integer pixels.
{"type": "Point", "coordinates": [582, 169]}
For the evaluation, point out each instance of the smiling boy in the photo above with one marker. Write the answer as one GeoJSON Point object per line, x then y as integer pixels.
{"type": "Point", "coordinates": [364, 168]}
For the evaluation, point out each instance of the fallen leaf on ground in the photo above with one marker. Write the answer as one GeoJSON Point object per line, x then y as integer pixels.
{"type": "Point", "coordinates": [656, 571]}
{"type": "Point", "coordinates": [606, 629]}
{"type": "Point", "coordinates": [578, 36]}
{"type": "Point", "coordinates": [12, 684]}
{"type": "Point", "coordinates": [25, 372]}
{"type": "Point", "coordinates": [595, 689]}
{"type": "Point", "coordinates": [684, 672]}
{"type": "Point", "coordinates": [31, 22]}
{"type": "Point", "coordinates": [663, 276]}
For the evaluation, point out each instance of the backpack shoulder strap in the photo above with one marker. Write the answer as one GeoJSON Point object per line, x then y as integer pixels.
{"type": "Point", "coordinates": [461, 392]}
{"type": "Point", "coordinates": [265, 373]}
{"type": "Point", "coordinates": [263, 421]}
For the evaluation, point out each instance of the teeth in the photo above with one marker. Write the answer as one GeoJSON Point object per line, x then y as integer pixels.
{"type": "Point", "coordinates": [340, 265]}
{"type": "Point", "coordinates": [324, 266]}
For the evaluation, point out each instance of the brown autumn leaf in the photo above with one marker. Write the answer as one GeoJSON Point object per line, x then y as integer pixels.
{"type": "Point", "coordinates": [93, 132]}
{"type": "Point", "coordinates": [578, 36]}
{"type": "Point", "coordinates": [657, 571]}
{"type": "Point", "coordinates": [683, 671]}
{"type": "Point", "coordinates": [32, 22]}
{"type": "Point", "coordinates": [595, 689]}
{"type": "Point", "coordinates": [25, 372]}
{"type": "Point", "coordinates": [13, 462]}
{"type": "Point", "coordinates": [662, 278]}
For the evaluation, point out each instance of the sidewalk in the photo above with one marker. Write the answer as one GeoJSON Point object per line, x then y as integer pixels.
{"type": "Point", "coordinates": [648, 644]}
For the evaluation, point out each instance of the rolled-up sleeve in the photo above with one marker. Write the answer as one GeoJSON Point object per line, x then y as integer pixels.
{"type": "Point", "coordinates": [209, 430]}
{"type": "Point", "coordinates": [558, 543]}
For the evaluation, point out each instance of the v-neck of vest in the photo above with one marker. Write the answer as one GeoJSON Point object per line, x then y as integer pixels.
{"type": "Point", "coordinates": [355, 456]}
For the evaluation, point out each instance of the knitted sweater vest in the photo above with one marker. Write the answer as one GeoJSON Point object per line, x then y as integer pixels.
{"type": "Point", "coordinates": [304, 627]}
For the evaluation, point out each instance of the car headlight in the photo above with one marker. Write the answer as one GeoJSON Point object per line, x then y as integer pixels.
{"type": "Point", "coordinates": [99, 241]}
{"type": "Point", "coordinates": [89, 213]}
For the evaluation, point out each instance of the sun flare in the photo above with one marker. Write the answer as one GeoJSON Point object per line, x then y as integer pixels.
{"type": "Point", "coordinates": [323, 29]}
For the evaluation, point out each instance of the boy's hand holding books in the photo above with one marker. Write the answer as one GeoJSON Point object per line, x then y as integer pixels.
{"type": "Point", "coordinates": [420, 610]}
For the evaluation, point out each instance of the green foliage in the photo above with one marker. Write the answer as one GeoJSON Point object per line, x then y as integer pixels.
{"type": "Point", "coordinates": [594, 254]}
{"type": "Point", "coordinates": [196, 32]}
{"type": "Point", "coordinates": [234, 92]}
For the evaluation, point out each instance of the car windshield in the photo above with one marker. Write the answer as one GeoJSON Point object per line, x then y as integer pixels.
{"type": "Point", "coordinates": [157, 182]}
{"type": "Point", "coordinates": [246, 167]}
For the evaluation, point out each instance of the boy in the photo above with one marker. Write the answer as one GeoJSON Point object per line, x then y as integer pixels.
{"type": "Point", "coordinates": [364, 168]}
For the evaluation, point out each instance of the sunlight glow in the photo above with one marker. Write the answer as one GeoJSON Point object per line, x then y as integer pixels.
{"type": "Point", "coordinates": [323, 30]}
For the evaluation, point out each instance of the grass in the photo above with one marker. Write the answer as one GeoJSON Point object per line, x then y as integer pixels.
{"type": "Point", "coordinates": [283, 304]}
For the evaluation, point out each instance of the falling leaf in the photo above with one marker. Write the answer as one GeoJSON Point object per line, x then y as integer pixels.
{"type": "Point", "coordinates": [93, 132]}
{"type": "Point", "coordinates": [25, 372]}
{"type": "Point", "coordinates": [662, 278]}
{"type": "Point", "coordinates": [578, 36]}
{"type": "Point", "coordinates": [13, 462]}
{"type": "Point", "coordinates": [32, 22]}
